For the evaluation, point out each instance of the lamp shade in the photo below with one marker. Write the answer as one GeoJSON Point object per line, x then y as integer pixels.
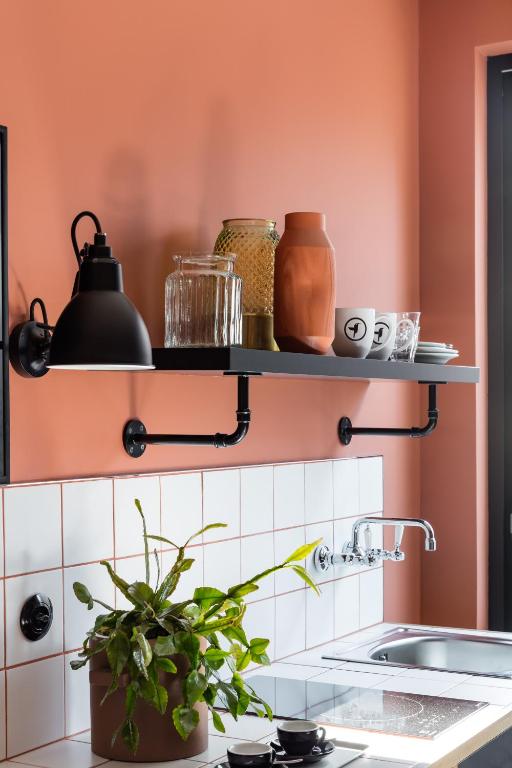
{"type": "Point", "coordinates": [100, 328]}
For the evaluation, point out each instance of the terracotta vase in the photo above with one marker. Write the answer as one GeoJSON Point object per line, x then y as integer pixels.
{"type": "Point", "coordinates": [304, 286]}
{"type": "Point", "coordinates": [159, 741]}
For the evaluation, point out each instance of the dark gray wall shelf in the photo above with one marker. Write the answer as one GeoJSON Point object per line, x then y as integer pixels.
{"type": "Point", "coordinates": [235, 360]}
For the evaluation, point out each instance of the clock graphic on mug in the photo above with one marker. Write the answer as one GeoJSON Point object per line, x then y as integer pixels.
{"type": "Point", "coordinates": [381, 333]}
{"type": "Point", "coordinates": [355, 328]}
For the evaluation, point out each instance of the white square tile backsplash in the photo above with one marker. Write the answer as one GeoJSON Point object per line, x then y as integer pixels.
{"type": "Point", "coordinates": [17, 590]}
{"type": "Point", "coordinates": [182, 507]}
{"type": "Point", "coordinates": [56, 533]}
{"type": "Point", "coordinates": [257, 499]}
{"type": "Point", "coordinates": [32, 528]}
{"type": "Point", "coordinates": [318, 491]}
{"type": "Point", "coordinates": [128, 524]}
{"type": "Point", "coordinates": [87, 530]}
{"type": "Point", "coordinates": [221, 503]}
{"type": "Point", "coordinates": [35, 705]}
{"type": "Point", "coordinates": [77, 619]}
{"type": "Point", "coordinates": [289, 495]}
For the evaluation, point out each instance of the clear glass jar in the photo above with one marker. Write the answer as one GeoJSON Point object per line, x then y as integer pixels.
{"type": "Point", "coordinates": [254, 242]}
{"type": "Point", "coordinates": [203, 302]}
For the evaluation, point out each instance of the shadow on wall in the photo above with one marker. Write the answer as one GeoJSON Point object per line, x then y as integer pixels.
{"type": "Point", "coordinates": [127, 217]}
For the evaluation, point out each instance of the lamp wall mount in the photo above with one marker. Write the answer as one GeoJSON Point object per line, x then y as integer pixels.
{"type": "Point", "coordinates": [346, 431]}
{"type": "Point", "coordinates": [29, 344]}
{"type": "Point", "coordinates": [136, 437]}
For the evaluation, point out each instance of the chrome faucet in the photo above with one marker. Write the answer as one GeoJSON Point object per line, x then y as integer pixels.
{"type": "Point", "coordinates": [355, 553]}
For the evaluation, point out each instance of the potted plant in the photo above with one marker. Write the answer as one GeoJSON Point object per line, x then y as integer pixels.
{"type": "Point", "coordinates": [158, 667]}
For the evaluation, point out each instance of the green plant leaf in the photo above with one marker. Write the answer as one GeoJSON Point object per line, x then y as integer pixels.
{"type": "Point", "coordinates": [130, 699]}
{"type": "Point", "coordinates": [170, 582]}
{"type": "Point", "coordinates": [114, 685]}
{"type": "Point", "coordinates": [147, 689]}
{"type": "Point", "coordinates": [207, 596]}
{"type": "Point", "coordinates": [304, 575]}
{"type": "Point", "coordinates": [120, 583]}
{"type": "Point", "coordinates": [83, 594]}
{"type": "Point", "coordinates": [142, 593]}
{"type": "Point", "coordinates": [161, 698]}
{"type": "Point", "coordinates": [302, 552]}
{"type": "Point", "coordinates": [217, 721]}
{"type": "Point", "coordinates": [215, 657]}
{"type": "Point", "coordinates": [164, 646]}
{"type": "Point", "coordinates": [209, 527]}
{"type": "Point", "coordinates": [195, 685]}
{"type": "Point", "coordinates": [138, 658]}
{"type": "Point", "coordinates": [118, 652]}
{"type": "Point", "coordinates": [147, 653]}
{"type": "Point", "coordinates": [236, 634]}
{"type": "Point", "coordinates": [166, 665]}
{"type": "Point", "coordinates": [146, 548]}
{"type": "Point", "coordinates": [188, 644]}
{"type": "Point", "coordinates": [130, 734]}
{"type": "Point", "coordinates": [185, 720]}
{"type": "Point", "coordinates": [157, 562]}
{"type": "Point", "coordinates": [243, 660]}
{"type": "Point", "coordinates": [241, 590]}
{"type": "Point", "coordinates": [78, 663]}
{"type": "Point", "coordinates": [259, 645]}
{"type": "Point", "coordinates": [161, 539]}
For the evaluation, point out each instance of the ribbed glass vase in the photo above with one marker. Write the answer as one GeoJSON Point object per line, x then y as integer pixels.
{"type": "Point", "coordinates": [203, 302]}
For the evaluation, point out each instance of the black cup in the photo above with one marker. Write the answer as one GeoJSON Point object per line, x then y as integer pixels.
{"type": "Point", "coordinates": [249, 754]}
{"type": "Point", "coordinates": [298, 737]}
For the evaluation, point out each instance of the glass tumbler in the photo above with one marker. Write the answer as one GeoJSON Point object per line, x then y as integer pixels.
{"type": "Point", "coordinates": [203, 302]}
{"type": "Point", "coordinates": [407, 335]}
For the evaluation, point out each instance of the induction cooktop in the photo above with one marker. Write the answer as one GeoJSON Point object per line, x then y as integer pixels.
{"type": "Point", "coordinates": [402, 714]}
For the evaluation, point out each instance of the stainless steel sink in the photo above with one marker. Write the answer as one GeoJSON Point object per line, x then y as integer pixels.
{"type": "Point", "coordinates": [435, 649]}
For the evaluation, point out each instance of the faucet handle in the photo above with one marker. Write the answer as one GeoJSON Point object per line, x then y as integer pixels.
{"type": "Point", "coordinates": [399, 532]}
{"type": "Point", "coordinates": [367, 537]}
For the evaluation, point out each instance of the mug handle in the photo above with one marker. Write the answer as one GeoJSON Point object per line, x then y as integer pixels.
{"type": "Point", "coordinates": [404, 321]}
{"type": "Point", "coordinates": [322, 739]}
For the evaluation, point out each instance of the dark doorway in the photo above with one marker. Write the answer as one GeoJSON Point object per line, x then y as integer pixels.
{"type": "Point", "coordinates": [499, 156]}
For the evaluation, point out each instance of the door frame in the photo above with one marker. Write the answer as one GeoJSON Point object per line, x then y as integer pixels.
{"type": "Point", "coordinates": [499, 330]}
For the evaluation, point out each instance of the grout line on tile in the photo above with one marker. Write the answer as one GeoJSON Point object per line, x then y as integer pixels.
{"type": "Point", "coordinates": [63, 595]}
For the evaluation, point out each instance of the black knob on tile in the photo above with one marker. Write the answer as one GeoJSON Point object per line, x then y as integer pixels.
{"type": "Point", "coordinates": [36, 617]}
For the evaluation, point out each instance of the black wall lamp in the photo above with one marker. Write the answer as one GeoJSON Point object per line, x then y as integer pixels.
{"type": "Point", "coordinates": [100, 329]}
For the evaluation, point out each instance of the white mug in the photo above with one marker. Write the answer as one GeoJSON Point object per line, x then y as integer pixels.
{"type": "Point", "coordinates": [383, 336]}
{"type": "Point", "coordinates": [354, 327]}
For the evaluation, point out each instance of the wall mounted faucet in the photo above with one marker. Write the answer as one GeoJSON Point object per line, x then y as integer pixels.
{"type": "Point", "coordinates": [355, 552]}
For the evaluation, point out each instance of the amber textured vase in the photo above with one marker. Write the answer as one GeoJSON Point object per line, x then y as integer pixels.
{"type": "Point", "coordinates": [304, 286]}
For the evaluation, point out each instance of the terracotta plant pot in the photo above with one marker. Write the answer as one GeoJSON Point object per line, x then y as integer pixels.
{"type": "Point", "coordinates": [304, 286]}
{"type": "Point", "coordinates": [159, 740]}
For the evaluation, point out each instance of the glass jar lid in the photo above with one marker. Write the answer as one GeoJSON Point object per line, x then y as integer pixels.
{"type": "Point", "coordinates": [217, 262]}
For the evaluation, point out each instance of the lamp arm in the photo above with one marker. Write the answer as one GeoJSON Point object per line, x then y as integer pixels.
{"type": "Point", "coordinates": [74, 224]}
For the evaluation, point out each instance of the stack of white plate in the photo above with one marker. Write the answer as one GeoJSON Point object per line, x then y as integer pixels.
{"type": "Point", "coordinates": [435, 352]}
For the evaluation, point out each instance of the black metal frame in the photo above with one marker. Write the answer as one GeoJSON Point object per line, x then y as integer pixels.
{"type": "Point", "coordinates": [499, 288]}
{"type": "Point", "coordinates": [346, 431]}
{"type": "Point", "coordinates": [4, 347]}
{"type": "Point", "coordinates": [136, 438]}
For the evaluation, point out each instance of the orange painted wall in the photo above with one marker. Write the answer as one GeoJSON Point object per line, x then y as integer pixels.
{"type": "Point", "coordinates": [166, 117]}
{"type": "Point", "coordinates": [455, 39]}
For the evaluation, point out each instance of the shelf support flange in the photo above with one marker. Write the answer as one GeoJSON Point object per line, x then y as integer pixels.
{"type": "Point", "coordinates": [136, 438]}
{"type": "Point", "coordinates": [346, 431]}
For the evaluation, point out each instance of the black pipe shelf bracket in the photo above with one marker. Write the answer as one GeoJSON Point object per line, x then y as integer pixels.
{"type": "Point", "coordinates": [136, 437]}
{"type": "Point", "coordinates": [346, 431]}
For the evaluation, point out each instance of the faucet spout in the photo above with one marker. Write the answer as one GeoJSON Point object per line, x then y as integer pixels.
{"type": "Point", "coordinates": [413, 522]}
{"type": "Point", "coordinates": [356, 552]}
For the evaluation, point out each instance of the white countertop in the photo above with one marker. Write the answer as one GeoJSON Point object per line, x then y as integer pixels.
{"type": "Point", "coordinates": [385, 751]}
